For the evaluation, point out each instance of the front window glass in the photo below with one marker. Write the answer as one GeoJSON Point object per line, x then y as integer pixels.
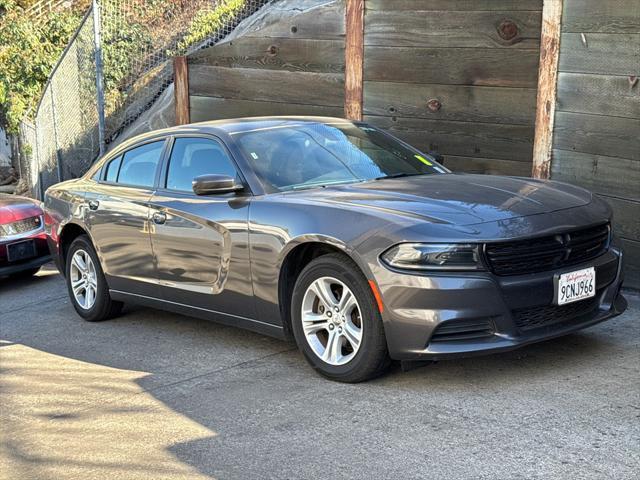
{"type": "Point", "coordinates": [192, 157]}
{"type": "Point", "coordinates": [308, 155]}
{"type": "Point", "coordinates": [139, 165]}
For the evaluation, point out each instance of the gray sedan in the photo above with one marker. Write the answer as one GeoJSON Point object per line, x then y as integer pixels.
{"type": "Point", "coordinates": [360, 247]}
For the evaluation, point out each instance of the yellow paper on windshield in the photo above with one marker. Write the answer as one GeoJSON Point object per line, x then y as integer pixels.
{"type": "Point", "coordinates": [424, 160]}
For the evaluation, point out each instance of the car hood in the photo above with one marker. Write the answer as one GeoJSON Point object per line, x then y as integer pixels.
{"type": "Point", "coordinates": [13, 208]}
{"type": "Point", "coordinates": [456, 199]}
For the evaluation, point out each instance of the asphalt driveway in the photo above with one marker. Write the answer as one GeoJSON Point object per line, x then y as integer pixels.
{"type": "Point", "coordinates": [155, 395]}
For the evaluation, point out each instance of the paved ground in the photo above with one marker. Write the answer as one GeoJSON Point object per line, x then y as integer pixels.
{"type": "Point", "coordinates": [159, 396]}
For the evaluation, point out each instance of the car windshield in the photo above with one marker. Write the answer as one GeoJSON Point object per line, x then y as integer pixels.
{"type": "Point", "coordinates": [307, 155]}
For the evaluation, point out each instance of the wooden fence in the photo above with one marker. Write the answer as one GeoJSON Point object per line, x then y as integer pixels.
{"type": "Point", "coordinates": [543, 88]}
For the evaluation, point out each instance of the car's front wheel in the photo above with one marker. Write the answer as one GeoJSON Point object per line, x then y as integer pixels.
{"type": "Point", "coordinates": [86, 283]}
{"type": "Point", "coordinates": [336, 322]}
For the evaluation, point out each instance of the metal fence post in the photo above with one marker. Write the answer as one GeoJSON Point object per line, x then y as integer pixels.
{"type": "Point", "coordinates": [55, 135]}
{"type": "Point", "coordinates": [97, 43]}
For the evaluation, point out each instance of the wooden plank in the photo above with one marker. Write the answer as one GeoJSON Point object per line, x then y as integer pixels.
{"type": "Point", "coordinates": [601, 174]}
{"type": "Point", "coordinates": [354, 59]}
{"type": "Point", "coordinates": [181, 89]}
{"type": "Point", "coordinates": [454, 29]}
{"type": "Point", "coordinates": [547, 80]}
{"type": "Point", "coordinates": [609, 54]}
{"type": "Point", "coordinates": [212, 108]}
{"type": "Point", "coordinates": [299, 20]}
{"type": "Point", "coordinates": [452, 66]}
{"type": "Point", "coordinates": [614, 16]}
{"type": "Point", "coordinates": [632, 263]}
{"type": "Point", "coordinates": [267, 85]}
{"type": "Point", "coordinates": [598, 94]}
{"type": "Point", "coordinates": [302, 55]}
{"type": "Point", "coordinates": [488, 166]}
{"type": "Point", "coordinates": [626, 216]}
{"type": "Point", "coordinates": [465, 139]}
{"type": "Point", "coordinates": [458, 102]}
{"type": "Point", "coordinates": [597, 134]}
{"type": "Point", "coordinates": [453, 5]}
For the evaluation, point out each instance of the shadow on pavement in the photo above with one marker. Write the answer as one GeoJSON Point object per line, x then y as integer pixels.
{"type": "Point", "coordinates": [158, 395]}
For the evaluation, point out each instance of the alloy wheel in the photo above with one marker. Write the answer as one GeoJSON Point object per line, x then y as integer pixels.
{"type": "Point", "coordinates": [332, 321]}
{"type": "Point", "coordinates": [84, 283]}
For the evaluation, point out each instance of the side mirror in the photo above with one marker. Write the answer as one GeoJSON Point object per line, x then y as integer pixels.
{"type": "Point", "coordinates": [214, 184]}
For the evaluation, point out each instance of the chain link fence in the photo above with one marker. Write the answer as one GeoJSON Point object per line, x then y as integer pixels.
{"type": "Point", "coordinates": [137, 40]}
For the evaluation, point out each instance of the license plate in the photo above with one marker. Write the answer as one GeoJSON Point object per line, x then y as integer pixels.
{"type": "Point", "coordinates": [21, 250]}
{"type": "Point", "coordinates": [574, 286]}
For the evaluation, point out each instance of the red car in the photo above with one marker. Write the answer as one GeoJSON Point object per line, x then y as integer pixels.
{"type": "Point", "coordinates": [23, 242]}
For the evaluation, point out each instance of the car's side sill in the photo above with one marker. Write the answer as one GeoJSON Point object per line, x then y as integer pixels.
{"type": "Point", "coordinates": [198, 312]}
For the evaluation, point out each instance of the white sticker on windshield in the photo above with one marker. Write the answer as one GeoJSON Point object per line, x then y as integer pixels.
{"type": "Point", "coordinates": [254, 155]}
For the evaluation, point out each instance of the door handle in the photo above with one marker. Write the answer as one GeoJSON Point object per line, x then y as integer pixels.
{"type": "Point", "coordinates": [159, 218]}
{"type": "Point", "coordinates": [93, 204]}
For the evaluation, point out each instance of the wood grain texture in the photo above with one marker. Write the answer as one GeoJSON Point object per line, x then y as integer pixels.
{"type": "Point", "coordinates": [598, 135]}
{"type": "Point", "coordinates": [601, 174]}
{"type": "Point", "coordinates": [614, 16]}
{"type": "Point", "coordinates": [598, 94]}
{"type": "Point", "coordinates": [547, 80]}
{"type": "Point", "coordinates": [452, 29]}
{"type": "Point", "coordinates": [452, 66]}
{"type": "Point", "coordinates": [453, 5]}
{"type": "Point", "coordinates": [354, 59]}
{"type": "Point", "coordinates": [609, 54]}
{"type": "Point", "coordinates": [267, 85]}
{"type": "Point", "coordinates": [489, 166]}
{"type": "Point", "coordinates": [458, 102]}
{"type": "Point", "coordinates": [213, 108]}
{"type": "Point", "coordinates": [465, 139]}
{"type": "Point", "coordinates": [626, 217]}
{"type": "Point", "coordinates": [181, 89]}
{"type": "Point", "coordinates": [325, 21]}
{"type": "Point", "coordinates": [296, 55]}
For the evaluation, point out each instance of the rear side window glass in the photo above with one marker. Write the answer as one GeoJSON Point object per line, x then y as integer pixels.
{"type": "Point", "coordinates": [139, 165]}
{"type": "Point", "coordinates": [112, 169]}
{"type": "Point", "coordinates": [192, 157]}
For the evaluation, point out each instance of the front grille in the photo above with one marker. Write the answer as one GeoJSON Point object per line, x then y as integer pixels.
{"type": "Point", "coordinates": [534, 317]}
{"type": "Point", "coordinates": [547, 253]}
{"type": "Point", "coordinates": [463, 330]}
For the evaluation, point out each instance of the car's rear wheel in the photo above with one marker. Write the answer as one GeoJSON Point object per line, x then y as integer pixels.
{"type": "Point", "coordinates": [86, 283]}
{"type": "Point", "coordinates": [336, 322]}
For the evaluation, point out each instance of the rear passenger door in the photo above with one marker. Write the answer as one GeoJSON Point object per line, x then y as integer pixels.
{"type": "Point", "coordinates": [200, 243]}
{"type": "Point", "coordinates": [118, 218]}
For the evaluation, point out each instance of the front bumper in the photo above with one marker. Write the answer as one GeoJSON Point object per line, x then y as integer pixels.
{"type": "Point", "coordinates": [426, 316]}
{"type": "Point", "coordinates": [42, 255]}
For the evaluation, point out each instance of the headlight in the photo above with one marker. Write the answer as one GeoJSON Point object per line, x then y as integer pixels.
{"type": "Point", "coordinates": [434, 256]}
{"type": "Point", "coordinates": [21, 226]}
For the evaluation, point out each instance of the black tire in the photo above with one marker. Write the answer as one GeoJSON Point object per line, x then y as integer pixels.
{"type": "Point", "coordinates": [372, 357]}
{"type": "Point", "coordinates": [104, 307]}
{"type": "Point", "coordinates": [25, 273]}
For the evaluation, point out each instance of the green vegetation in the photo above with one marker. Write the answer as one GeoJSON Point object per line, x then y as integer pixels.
{"type": "Point", "coordinates": [207, 22]}
{"type": "Point", "coordinates": [135, 36]}
{"type": "Point", "coordinates": [28, 52]}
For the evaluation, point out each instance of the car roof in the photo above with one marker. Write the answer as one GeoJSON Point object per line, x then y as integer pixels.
{"type": "Point", "coordinates": [232, 126]}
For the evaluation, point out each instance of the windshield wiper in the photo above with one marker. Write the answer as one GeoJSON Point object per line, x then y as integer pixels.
{"type": "Point", "coordinates": [398, 175]}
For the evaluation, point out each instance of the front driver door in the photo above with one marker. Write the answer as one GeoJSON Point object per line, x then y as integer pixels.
{"type": "Point", "coordinates": [200, 243]}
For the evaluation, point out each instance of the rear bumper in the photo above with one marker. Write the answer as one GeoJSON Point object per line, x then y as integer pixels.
{"type": "Point", "coordinates": [426, 316]}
